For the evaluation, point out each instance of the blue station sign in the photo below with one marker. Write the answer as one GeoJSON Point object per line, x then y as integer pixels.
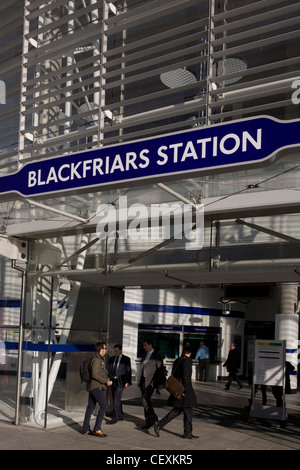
{"type": "Point", "coordinates": [184, 154]}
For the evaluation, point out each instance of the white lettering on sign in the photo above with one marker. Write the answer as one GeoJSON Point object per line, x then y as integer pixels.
{"type": "Point", "coordinates": [175, 153]}
{"type": "Point", "coordinates": [82, 169]}
{"type": "Point", "coordinates": [210, 146]}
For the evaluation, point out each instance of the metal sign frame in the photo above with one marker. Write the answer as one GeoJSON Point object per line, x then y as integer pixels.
{"type": "Point", "coordinates": [269, 370]}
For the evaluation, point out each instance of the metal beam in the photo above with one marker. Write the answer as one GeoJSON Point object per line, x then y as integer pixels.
{"type": "Point", "coordinates": [57, 211]}
{"type": "Point", "coordinates": [76, 253]}
{"type": "Point", "coordinates": [172, 239]}
{"type": "Point", "coordinates": [269, 231]}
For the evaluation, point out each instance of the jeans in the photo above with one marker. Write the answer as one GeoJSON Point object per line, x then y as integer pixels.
{"type": "Point", "coordinates": [96, 395]}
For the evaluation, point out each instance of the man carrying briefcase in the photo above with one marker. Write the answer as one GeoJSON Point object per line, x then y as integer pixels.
{"type": "Point", "coordinates": [183, 370]}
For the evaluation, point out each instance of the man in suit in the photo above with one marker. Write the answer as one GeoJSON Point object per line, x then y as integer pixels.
{"type": "Point", "coordinates": [151, 377]}
{"type": "Point", "coordinates": [119, 371]}
{"type": "Point", "coordinates": [182, 369]}
{"type": "Point", "coordinates": [232, 365]}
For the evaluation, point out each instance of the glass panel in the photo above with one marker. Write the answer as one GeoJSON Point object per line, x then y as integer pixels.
{"type": "Point", "coordinates": [10, 305]}
{"type": "Point", "coordinates": [9, 339]}
{"type": "Point", "coordinates": [263, 40]}
{"type": "Point", "coordinates": [63, 323]}
{"type": "Point", "coordinates": [11, 34]}
{"type": "Point", "coordinates": [167, 344]}
{"type": "Point", "coordinates": [211, 341]}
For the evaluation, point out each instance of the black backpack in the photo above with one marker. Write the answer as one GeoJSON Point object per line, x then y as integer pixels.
{"type": "Point", "coordinates": [85, 372]}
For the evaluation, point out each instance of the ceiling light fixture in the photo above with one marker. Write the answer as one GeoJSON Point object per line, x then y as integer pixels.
{"type": "Point", "coordinates": [177, 78]}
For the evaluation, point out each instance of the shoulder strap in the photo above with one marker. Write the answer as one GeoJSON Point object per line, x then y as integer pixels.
{"type": "Point", "coordinates": [177, 365]}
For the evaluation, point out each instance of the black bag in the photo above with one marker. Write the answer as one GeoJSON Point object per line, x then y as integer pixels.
{"type": "Point", "coordinates": [174, 386]}
{"type": "Point", "coordinates": [85, 372]}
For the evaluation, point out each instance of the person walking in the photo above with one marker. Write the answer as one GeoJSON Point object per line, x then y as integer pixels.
{"type": "Point", "coordinates": [232, 365]}
{"type": "Point", "coordinates": [97, 392]}
{"type": "Point", "coordinates": [182, 369]}
{"type": "Point", "coordinates": [119, 371]}
{"type": "Point", "coordinates": [151, 377]}
{"type": "Point", "coordinates": [202, 356]}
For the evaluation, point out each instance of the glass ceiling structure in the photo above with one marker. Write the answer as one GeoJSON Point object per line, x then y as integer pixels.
{"type": "Point", "coordinates": [85, 74]}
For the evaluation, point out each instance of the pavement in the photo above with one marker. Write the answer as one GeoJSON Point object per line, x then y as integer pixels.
{"type": "Point", "coordinates": [221, 420]}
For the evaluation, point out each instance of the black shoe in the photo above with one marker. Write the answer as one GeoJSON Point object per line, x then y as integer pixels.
{"type": "Point", "coordinates": [88, 433]}
{"type": "Point", "coordinates": [113, 421]}
{"type": "Point", "coordinates": [241, 386]}
{"type": "Point", "coordinates": [190, 436]}
{"type": "Point", "coordinates": [227, 388]}
{"type": "Point", "coordinates": [156, 428]}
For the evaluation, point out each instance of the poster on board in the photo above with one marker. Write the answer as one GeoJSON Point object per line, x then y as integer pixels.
{"type": "Point", "coordinates": [269, 362]}
{"type": "Point", "coordinates": [269, 370]}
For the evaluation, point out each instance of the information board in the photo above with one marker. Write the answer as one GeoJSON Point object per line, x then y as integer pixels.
{"type": "Point", "coordinates": [269, 362]}
{"type": "Point", "coordinates": [269, 369]}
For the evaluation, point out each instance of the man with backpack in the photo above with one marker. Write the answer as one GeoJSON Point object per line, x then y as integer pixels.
{"type": "Point", "coordinates": [97, 391]}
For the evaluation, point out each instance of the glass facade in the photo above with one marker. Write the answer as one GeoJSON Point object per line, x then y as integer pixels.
{"type": "Point", "coordinates": [80, 75]}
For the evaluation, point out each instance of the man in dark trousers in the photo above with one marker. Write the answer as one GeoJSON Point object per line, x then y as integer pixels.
{"type": "Point", "coordinates": [203, 356]}
{"type": "Point", "coordinates": [151, 377]}
{"type": "Point", "coordinates": [232, 365]}
{"type": "Point", "coordinates": [182, 369]}
{"type": "Point", "coordinates": [119, 371]}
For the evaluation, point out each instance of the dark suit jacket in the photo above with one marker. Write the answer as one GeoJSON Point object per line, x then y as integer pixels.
{"type": "Point", "coordinates": [124, 370]}
{"type": "Point", "coordinates": [154, 373]}
{"type": "Point", "coordinates": [233, 361]}
{"type": "Point", "coordinates": [182, 368]}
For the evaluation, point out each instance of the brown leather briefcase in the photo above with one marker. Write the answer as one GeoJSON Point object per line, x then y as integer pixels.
{"type": "Point", "coordinates": [174, 386]}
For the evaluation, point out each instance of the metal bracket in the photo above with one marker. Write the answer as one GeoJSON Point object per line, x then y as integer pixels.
{"type": "Point", "coordinates": [13, 248]}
